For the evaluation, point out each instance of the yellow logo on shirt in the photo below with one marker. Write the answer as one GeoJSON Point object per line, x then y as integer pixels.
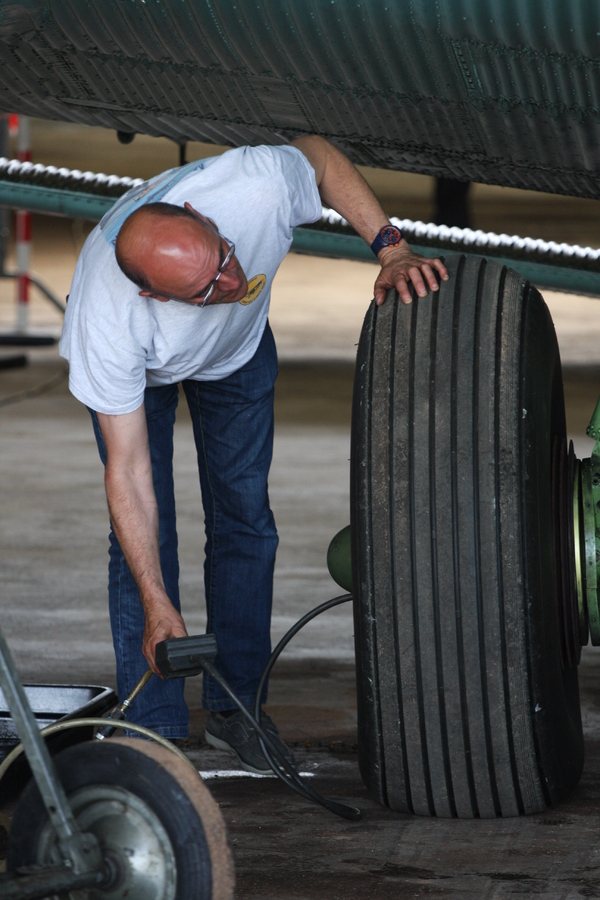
{"type": "Point", "coordinates": [255, 286]}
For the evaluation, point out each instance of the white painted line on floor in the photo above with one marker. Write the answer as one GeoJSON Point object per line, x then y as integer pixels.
{"type": "Point", "coordinates": [241, 773]}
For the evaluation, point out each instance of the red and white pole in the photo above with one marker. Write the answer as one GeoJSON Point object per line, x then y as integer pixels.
{"type": "Point", "coordinates": [23, 231]}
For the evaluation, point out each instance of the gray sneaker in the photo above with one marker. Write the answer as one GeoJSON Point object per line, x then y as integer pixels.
{"type": "Point", "coordinates": [236, 734]}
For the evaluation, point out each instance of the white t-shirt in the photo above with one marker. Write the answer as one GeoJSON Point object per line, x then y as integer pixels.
{"type": "Point", "coordinates": [117, 342]}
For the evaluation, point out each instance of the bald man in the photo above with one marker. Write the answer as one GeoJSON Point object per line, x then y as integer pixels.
{"type": "Point", "coordinates": [173, 287]}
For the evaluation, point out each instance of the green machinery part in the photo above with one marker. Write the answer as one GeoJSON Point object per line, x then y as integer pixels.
{"type": "Point", "coordinates": [339, 559]}
{"type": "Point", "coordinates": [578, 544]}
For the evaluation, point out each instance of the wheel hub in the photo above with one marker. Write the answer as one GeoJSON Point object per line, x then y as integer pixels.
{"type": "Point", "coordinates": [586, 510]}
{"type": "Point", "coordinates": [576, 511]}
{"type": "Point", "coordinates": [139, 861]}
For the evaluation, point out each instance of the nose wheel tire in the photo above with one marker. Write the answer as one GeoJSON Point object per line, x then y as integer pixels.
{"type": "Point", "coordinates": [161, 834]}
{"type": "Point", "coordinates": [468, 696]}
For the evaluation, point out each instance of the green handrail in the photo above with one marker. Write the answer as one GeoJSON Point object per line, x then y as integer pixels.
{"type": "Point", "coordinates": [316, 242]}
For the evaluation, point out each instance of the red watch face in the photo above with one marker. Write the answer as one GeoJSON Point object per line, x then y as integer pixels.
{"type": "Point", "coordinates": [390, 235]}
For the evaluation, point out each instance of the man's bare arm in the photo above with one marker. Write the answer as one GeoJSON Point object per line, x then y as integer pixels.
{"type": "Point", "coordinates": [343, 188]}
{"type": "Point", "coordinates": [134, 516]}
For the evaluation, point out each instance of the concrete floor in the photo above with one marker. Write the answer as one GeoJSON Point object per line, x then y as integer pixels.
{"type": "Point", "coordinates": [53, 542]}
{"type": "Point", "coordinates": [54, 526]}
{"type": "Point", "coordinates": [53, 555]}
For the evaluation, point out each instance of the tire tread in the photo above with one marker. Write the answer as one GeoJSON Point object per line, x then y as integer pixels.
{"type": "Point", "coordinates": [441, 610]}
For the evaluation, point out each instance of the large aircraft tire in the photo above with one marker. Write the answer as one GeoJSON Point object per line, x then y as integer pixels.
{"type": "Point", "coordinates": [465, 708]}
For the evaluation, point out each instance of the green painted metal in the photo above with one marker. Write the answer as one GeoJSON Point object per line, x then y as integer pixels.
{"type": "Point", "coordinates": [558, 278]}
{"type": "Point", "coordinates": [555, 278]}
{"type": "Point", "coordinates": [339, 559]}
{"type": "Point", "coordinates": [497, 91]}
{"type": "Point", "coordinates": [580, 555]}
{"type": "Point", "coordinates": [590, 492]}
{"type": "Point", "coordinates": [593, 429]}
{"type": "Point", "coordinates": [54, 201]}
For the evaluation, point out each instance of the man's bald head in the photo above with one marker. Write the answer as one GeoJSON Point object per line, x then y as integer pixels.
{"type": "Point", "coordinates": [156, 236]}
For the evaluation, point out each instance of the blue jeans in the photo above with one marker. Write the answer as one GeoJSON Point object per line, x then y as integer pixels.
{"type": "Point", "coordinates": [233, 431]}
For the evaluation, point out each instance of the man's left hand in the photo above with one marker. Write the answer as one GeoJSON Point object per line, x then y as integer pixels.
{"type": "Point", "coordinates": [399, 265]}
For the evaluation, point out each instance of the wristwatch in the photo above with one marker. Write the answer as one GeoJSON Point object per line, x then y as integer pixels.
{"type": "Point", "coordinates": [389, 236]}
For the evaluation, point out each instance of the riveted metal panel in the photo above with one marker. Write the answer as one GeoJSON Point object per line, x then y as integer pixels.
{"type": "Point", "coordinates": [499, 91]}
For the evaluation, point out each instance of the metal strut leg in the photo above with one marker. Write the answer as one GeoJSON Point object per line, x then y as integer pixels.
{"type": "Point", "coordinates": [79, 851]}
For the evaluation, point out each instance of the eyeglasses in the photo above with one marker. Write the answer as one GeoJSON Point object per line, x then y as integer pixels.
{"type": "Point", "coordinates": [222, 268]}
{"type": "Point", "coordinates": [220, 271]}
{"type": "Point", "coordinates": [211, 286]}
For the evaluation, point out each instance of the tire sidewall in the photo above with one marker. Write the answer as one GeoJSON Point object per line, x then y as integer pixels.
{"type": "Point", "coordinates": [555, 707]}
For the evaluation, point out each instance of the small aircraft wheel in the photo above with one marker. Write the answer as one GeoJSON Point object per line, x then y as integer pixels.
{"type": "Point", "coordinates": [161, 833]}
{"type": "Point", "coordinates": [468, 696]}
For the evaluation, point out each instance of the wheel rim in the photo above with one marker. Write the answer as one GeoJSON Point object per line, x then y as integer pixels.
{"type": "Point", "coordinates": [564, 562]}
{"type": "Point", "coordinates": [590, 497]}
{"type": "Point", "coordinates": [139, 858]}
{"type": "Point", "coordinates": [579, 545]}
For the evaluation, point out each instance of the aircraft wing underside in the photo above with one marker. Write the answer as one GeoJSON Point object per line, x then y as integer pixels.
{"type": "Point", "coordinates": [499, 91]}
